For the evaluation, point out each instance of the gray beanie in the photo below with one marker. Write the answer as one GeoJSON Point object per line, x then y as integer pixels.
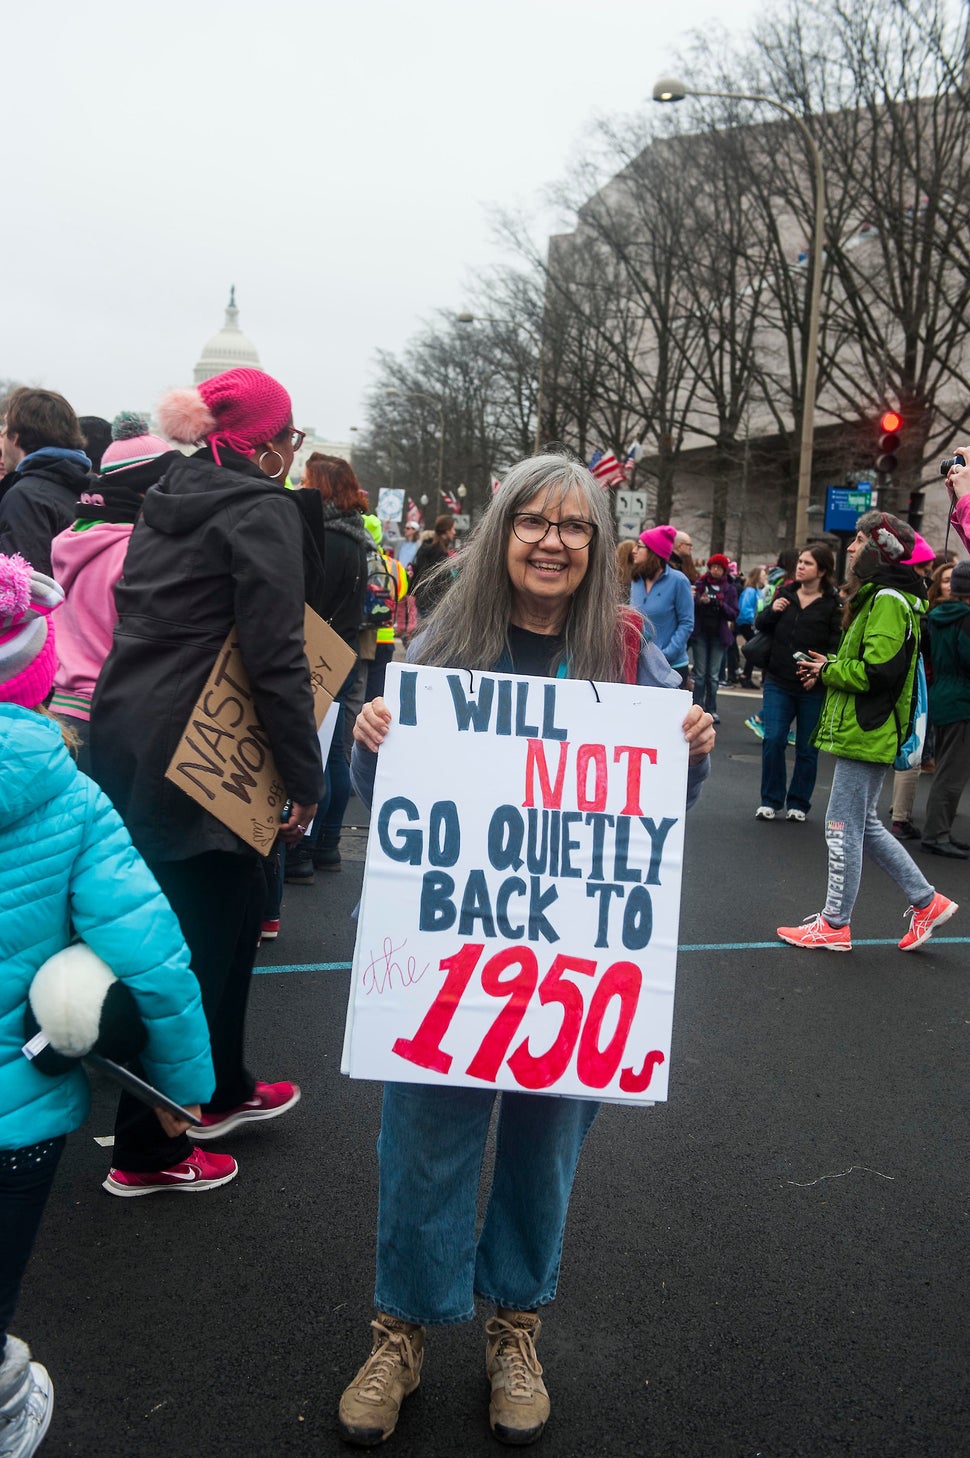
{"type": "Point", "coordinates": [960, 580]}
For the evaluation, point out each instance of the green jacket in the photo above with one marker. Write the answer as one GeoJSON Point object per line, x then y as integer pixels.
{"type": "Point", "coordinates": [948, 626]}
{"type": "Point", "coordinates": [869, 683]}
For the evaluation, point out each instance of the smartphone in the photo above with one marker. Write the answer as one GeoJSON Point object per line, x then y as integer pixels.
{"type": "Point", "coordinates": [800, 657]}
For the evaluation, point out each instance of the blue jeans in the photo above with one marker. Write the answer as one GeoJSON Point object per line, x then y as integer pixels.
{"type": "Point", "coordinates": [432, 1142]}
{"type": "Point", "coordinates": [779, 708]}
{"type": "Point", "coordinates": [708, 659]}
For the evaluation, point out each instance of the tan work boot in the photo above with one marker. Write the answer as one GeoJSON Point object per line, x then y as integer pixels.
{"type": "Point", "coordinates": [369, 1407]}
{"type": "Point", "coordinates": [519, 1408]}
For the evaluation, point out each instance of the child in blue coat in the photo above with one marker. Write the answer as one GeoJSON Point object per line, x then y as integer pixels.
{"type": "Point", "coordinates": [67, 870]}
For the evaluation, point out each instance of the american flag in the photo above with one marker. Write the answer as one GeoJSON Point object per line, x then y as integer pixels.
{"type": "Point", "coordinates": [413, 517]}
{"type": "Point", "coordinates": [607, 469]}
{"type": "Point", "coordinates": [452, 503]}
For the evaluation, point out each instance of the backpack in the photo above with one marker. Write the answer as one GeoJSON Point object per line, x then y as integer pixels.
{"type": "Point", "coordinates": [380, 591]}
{"type": "Point", "coordinates": [910, 752]}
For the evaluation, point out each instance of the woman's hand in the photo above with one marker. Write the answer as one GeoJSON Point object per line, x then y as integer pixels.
{"type": "Point", "coordinates": [778, 604]}
{"type": "Point", "coordinates": [372, 724]}
{"type": "Point", "coordinates": [700, 733]}
{"type": "Point", "coordinates": [292, 831]}
{"type": "Point", "coordinates": [958, 481]}
{"type": "Point", "coordinates": [809, 671]}
{"type": "Point", "coordinates": [175, 1126]}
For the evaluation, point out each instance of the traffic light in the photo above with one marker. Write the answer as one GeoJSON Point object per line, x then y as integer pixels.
{"type": "Point", "coordinates": [914, 514]}
{"type": "Point", "coordinates": [890, 424]}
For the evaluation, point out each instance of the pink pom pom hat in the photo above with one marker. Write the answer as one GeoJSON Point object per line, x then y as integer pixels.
{"type": "Point", "coordinates": [28, 660]}
{"type": "Point", "coordinates": [239, 409]}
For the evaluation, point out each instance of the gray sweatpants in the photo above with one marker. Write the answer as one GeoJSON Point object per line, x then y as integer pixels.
{"type": "Point", "coordinates": [852, 826]}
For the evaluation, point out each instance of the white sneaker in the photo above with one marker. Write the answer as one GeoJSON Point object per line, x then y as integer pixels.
{"type": "Point", "coordinates": [765, 812]}
{"type": "Point", "coordinates": [794, 814]}
{"type": "Point", "coordinates": [25, 1414]}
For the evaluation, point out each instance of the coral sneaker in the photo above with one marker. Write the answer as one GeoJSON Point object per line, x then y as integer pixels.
{"type": "Point", "coordinates": [269, 1100]}
{"type": "Point", "coordinates": [201, 1171]}
{"type": "Point", "coordinates": [926, 920]}
{"type": "Point", "coordinates": [816, 932]}
{"type": "Point", "coordinates": [270, 929]}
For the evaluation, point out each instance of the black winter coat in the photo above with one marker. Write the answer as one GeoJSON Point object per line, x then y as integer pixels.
{"type": "Point", "coordinates": [342, 558]}
{"type": "Point", "coordinates": [36, 504]}
{"type": "Point", "coordinates": [214, 545]}
{"type": "Point", "coordinates": [817, 628]}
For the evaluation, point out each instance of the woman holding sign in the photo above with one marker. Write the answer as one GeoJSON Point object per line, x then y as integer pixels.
{"type": "Point", "coordinates": [536, 594]}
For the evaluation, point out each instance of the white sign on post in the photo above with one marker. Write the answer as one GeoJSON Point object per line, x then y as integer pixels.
{"type": "Point", "coordinates": [628, 526]}
{"type": "Point", "coordinates": [518, 926]}
{"type": "Point", "coordinates": [630, 503]}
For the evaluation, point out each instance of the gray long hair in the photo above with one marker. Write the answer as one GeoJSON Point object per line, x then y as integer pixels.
{"type": "Point", "coordinates": [469, 627]}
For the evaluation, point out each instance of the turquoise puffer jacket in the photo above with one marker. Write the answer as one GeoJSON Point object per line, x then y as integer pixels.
{"type": "Point", "coordinates": [869, 683]}
{"type": "Point", "coordinates": [68, 869]}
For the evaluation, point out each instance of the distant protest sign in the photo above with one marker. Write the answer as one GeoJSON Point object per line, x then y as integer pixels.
{"type": "Point", "coordinates": [518, 927]}
{"type": "Point", "coordinates": [224, 761]}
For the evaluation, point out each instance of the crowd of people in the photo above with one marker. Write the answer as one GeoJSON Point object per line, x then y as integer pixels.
{"type": "Point", "coordinates": [125, 560]}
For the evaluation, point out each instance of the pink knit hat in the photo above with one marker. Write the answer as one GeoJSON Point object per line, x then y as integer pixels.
{"type": "Point", "coordinates": [238, 409]}
{"type": "Point", "coordinates": [131, 443]}
{"type": "Point", "coordinates": [921, 553]}
{"type": "Point", "coordinates": [660, 540]}
{"type": "Point", "coordinates": [28, 660]}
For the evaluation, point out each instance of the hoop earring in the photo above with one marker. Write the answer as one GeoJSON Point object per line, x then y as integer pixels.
{"type": "Point", "coordinates": [273, 475]}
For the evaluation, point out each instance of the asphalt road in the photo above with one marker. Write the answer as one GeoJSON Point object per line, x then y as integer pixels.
{"type": "Point", "coordinates": [773, 1263]}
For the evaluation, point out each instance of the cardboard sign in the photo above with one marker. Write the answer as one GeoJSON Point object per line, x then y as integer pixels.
{"type": "Point", "coordinates": [518, 927]}
{"type": "Point", "coordinates": [223, 760]}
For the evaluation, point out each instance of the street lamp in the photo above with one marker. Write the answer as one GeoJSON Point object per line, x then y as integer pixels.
{"type": "Point", "coordinates": [420, 395]}
{"type": "Point", "coordinates": [672, 90]}
{"type": "Point", "coordinates": [466, 317]}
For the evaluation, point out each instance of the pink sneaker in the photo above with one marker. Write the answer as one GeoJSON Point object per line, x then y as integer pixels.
{"type": "Point", "coordinates": [269, 1100]}
{"type": "Point", "coordinates": [271, 929]}
{"type": "Point", "coordinates": [816, 932]}
{"type": "Point", "coordinates": [925, 921]}
{"type": "Point", "coordinates": [201, 1171]}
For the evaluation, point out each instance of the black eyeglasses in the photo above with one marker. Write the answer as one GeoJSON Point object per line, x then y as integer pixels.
{"type": "Point", "coordinates": [575, 532]}
{"type": "Point", "coordinates": [297, 437]}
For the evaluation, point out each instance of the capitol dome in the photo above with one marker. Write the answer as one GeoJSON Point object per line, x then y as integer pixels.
{"type": "Point", "coordinates": [227, 350]}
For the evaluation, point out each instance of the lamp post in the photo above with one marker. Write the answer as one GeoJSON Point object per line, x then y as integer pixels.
{"type": "Point", "coordinates": [671, 90]}
{"type": "Point", "coordinates": [465, 317]}
{"type": "Point", "coordinates": [420, 395]}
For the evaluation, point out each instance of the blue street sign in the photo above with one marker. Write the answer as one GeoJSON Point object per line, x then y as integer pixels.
{"type": "Point", "coordinates": [845, 504]}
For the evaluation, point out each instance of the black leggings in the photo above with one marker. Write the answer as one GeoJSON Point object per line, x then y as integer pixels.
{"type": "Point", "coordinates": [218, 898]}
{"type": "Point", "coordinates": [26, 1176]}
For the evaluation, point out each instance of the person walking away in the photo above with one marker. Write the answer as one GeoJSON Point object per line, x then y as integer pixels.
{"type": "Point", "coordinates": [46, 469]}
{"type": "Point", "coordinates": [663, 597]}
{"type": "Point", "coordinates": [332, 489]}
{"type": "Point", "coordinates": [429, 556]}
{"type": "Point", "coordinates": [948, 633]}
{"type": "Point", "coordinates": [749, 605]}
{"type": "Point", "coordinates": [218, 546]}
{"type": "Point", "coordinates": [905, 781]}
{"type": "Point", "coordinates": [715, 608]}
{"type": "Point", "coordinates": [67, 870]}
{"type": "Point", "coordinates": [804, 617]}
{"type": "Point", "coordinates": [863, 723]}
{"type": "Point", "coordinates": [537, 594]}
{"type": "Point", "coordinates": [88, 559]}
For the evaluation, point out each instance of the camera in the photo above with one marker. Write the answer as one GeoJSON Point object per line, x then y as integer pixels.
{"type": "Point", "coordinates": [947, 466]}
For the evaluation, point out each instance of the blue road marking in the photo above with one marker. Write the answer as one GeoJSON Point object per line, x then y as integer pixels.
{"type": "Point", "coordinates": [775, 946]}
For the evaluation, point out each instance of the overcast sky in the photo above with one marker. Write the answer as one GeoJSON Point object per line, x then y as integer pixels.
{"type": "Point", "coordinates": [335, 161]}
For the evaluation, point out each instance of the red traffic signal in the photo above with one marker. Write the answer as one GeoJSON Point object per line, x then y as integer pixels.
{"type": "Point", "coordinates": [890, 424]}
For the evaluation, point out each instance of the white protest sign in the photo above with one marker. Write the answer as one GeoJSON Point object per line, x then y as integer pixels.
{"type": "Point", "coordinates": [518, 927]}
{"type": "Point", "coordinates": [390, 504]}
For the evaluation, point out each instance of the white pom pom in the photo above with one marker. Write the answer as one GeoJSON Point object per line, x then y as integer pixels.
{"type": "Point", "coordinates": [67, 995]}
